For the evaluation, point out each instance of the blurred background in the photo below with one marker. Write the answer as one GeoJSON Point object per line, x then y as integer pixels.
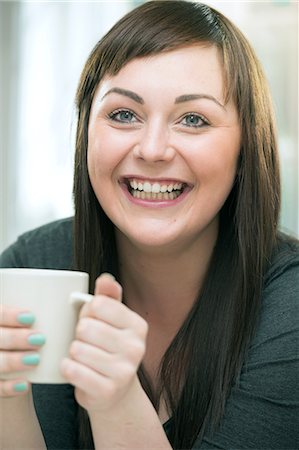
{"type": "Point", "coordinates": [43, 47]}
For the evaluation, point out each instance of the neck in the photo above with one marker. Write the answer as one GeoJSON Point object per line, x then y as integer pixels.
{"type": "Point", "coordinates": [162, 284]}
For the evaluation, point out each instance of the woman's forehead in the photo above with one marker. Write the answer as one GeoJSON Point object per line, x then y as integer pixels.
{"type": "Point", "coordinates": [181, 69]}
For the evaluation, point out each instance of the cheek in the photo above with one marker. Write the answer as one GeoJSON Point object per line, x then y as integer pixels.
{"type": "Point", "coordinates": [215, 161]}
{"type": "Point", "coordinates": [100, 173]}
{"type": "Point", "coordinates": [106, 149]}
{"type": "Point", "coordinates": [99, 157]}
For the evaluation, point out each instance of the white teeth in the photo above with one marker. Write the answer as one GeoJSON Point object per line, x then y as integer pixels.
{"type": "Point", "coordinates": [147, 187]}
{"type": "Point", "coordinates": [156, 187]}
{"type": "Point", "coordinates": [156, 191]}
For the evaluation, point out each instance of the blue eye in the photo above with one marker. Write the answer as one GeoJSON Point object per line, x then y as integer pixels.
{"type": "Point", "coordinates": [194, 120]}
{"type": "Point", "coordinates": [123, 116]}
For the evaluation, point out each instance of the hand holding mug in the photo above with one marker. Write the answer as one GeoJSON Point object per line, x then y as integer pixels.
{"type": "Point", "coordinates": [19, 348]}
{"type": "Point", "coordinates": [108, 348]}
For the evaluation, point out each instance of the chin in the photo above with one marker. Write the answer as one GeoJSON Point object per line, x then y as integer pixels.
{"type": "Point", "coordinates": [158, 244]}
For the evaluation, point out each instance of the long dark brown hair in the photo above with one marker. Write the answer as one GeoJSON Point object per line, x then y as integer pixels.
{"type": "Point", "coordinates": [210, 348]}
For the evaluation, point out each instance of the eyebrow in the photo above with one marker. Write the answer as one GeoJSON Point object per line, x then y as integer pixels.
{"type": "Point", "coordinates": [132, 95]}
{"type": "Point", "coordinates": [189, 97]}
{"type": "Point", "coordinates": [181, 99]}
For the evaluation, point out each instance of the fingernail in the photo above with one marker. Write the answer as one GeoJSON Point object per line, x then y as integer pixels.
{"type": "Point", "coordinates": [31, 360]}
{"type": "Point", "coordinates": [20, 387]}
{"type": "Point", "coordinates": [26, 318]}
{"type": "Point", "coordinates": [37, 339]}
{"type": "Point", "coordinates": [106, 274]}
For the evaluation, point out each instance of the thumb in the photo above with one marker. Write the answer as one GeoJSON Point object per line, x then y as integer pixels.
{"type": "Point", "coordinates": [108, 286]}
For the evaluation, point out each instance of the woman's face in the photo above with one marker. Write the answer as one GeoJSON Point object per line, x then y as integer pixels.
{"type": "Point", "coordinates": [163, 147]}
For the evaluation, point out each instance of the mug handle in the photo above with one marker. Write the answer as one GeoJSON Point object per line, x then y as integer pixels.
{"type": "Point", "coordinates": [79, 298]}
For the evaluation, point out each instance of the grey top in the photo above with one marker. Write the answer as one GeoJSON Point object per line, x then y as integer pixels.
{"type": "Point", "coordinates": [261, 411]}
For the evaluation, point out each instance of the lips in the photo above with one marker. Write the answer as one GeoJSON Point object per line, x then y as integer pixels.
{"type": "Point", "coordinates": [161, 190]}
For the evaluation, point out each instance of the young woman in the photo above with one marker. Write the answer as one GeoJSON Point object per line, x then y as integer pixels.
{"type": "Point", "coordinates": [177, 195]}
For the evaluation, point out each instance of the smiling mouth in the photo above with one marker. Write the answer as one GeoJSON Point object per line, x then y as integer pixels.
{"type": "Point", "coordinates": [155, 191]}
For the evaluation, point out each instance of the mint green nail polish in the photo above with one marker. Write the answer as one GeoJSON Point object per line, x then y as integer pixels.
{"type": "Point", "coordinates": [31, 360]}
{"type": "Point", "coordinates": [26, 318]}
{"type": "Point", "coordinates": [20, 387]}
{"type": "Point", "coordinates": [36, 339]}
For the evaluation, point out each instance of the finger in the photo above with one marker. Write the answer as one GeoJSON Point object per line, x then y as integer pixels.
{"type": "Point", "coordinates": [110, 339]}
{"type": "Point", "coordinates": [15, 317]}
{"type": "Point", "coordinates": [107, 285]}
{"type": "Point", "coordinates": [20, 339]}
{"type": "Point", "coordinates": [99, 333]}
{"type": "Point", "coordinates": [114, 365]}
{"type": "Point", "coordinates": [17, 361]}
{"type": "Point", "coordinates": [95, 358]}
{"type": "Point", "coordinates": [84, 378]}
{"type": "Point", "coordinates": [13, 388]}
{"type": "Point", "coordinates": [93, 390]}
{"type": "Point", "coordinates": [114, 313]}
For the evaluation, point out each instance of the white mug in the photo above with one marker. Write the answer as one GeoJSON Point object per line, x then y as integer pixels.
{"type": "Point", "coordinates": [53, 296]}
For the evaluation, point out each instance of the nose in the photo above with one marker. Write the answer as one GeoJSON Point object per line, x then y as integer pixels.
{"type": "Point", "coordinates": [154, 143]}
